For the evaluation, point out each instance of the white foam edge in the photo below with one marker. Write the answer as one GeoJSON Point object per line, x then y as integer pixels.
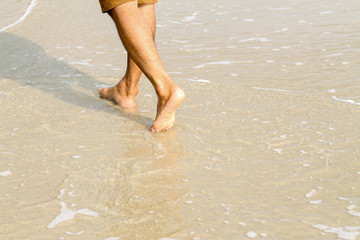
{"type": "Point", "coordinates": [271, 89]}
{"type": "Point", "coordinates": [102, 85]}
{"type": "Point", "coordinates": [346, 101]}
{"type": "Point", "coordinates": [310, 194]}
{"type": "Point", "coordinates": [222, 63]}
{"type": "Point", "coordinates": [251, 234]}
{"type": "Point", "coordinates": [261, 39]}
{"type": "Point", "coordinates": [27, 12]}
{"type": "Point", "coordinates": [5, 173]}
{"type": "Point", "coordinates": [346, 232]}
{"type": "Point", "coordinates": [67, 214]}
{"type": "Point", "coordinates": [190, 18]}
{"type": "Point", "coordinates": [199, 80]}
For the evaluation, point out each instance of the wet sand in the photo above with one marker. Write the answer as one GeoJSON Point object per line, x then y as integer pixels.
{"type": "Point", "coordinates": [266, 145]}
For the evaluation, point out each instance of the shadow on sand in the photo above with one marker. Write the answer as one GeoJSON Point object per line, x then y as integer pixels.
{"type": "Point", "coordinates": [26, 63]}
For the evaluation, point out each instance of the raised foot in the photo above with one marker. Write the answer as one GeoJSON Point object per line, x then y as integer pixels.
{"type": "Point", "coordinates": [112, 93]}
{"type": "Point", "coordinates": [165, 117]}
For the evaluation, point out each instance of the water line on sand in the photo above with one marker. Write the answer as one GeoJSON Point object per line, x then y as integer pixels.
{"type": "Point", "coordinates": [27, 12]}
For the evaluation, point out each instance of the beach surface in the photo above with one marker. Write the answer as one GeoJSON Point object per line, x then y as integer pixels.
{"type": "Point", "coordinates": [265, 146]}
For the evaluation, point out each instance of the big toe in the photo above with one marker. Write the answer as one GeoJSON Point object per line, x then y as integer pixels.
{"type": "Point", "coordinates": [103, 92]}
{"type": "Point", "coordinates": [100, 89]}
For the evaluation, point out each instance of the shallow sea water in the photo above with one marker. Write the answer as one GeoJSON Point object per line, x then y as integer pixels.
{"type": "Point", "coordinates": [266, 145]}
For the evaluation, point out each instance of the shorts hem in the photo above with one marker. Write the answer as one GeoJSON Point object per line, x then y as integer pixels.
{"type": "Point", "coordinates": [107, 5]}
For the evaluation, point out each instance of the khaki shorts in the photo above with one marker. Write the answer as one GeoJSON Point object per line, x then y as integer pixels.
{"type": "Point", "coordinates": [107, 5]}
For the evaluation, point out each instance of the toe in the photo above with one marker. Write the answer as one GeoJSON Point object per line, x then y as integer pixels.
{"type": "Point", "coordinates": [100, 90]}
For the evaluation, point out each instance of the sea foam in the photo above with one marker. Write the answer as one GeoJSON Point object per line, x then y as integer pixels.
{"type": "Point", "coordinates": [27, 12]}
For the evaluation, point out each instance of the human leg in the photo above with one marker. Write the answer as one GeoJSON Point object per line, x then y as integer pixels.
{"type": "Point", "coordinates": [125, 91]}
{"type": "Point", "coordinates": [136, 35]}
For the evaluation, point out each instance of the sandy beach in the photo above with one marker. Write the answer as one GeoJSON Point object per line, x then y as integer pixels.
{"type": "Point", "coordinates": [265, 146]}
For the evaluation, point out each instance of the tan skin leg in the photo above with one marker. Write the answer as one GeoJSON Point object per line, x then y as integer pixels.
{"type": "Point", "coordinates": [125, 91]}
{"type": "Point", "coordinates": [137, 37]}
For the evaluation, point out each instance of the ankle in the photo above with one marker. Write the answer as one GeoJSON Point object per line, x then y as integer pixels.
{"type": "Point", "coordinates": [126, 89]}
{"type": "Point", "coordinates": [166, 92]}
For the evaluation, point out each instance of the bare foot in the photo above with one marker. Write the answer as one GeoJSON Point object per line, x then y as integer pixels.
{"type": "Point", "coordinates": [116, 94]}
{"type": "Point", "coordinates": [165, 117]}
